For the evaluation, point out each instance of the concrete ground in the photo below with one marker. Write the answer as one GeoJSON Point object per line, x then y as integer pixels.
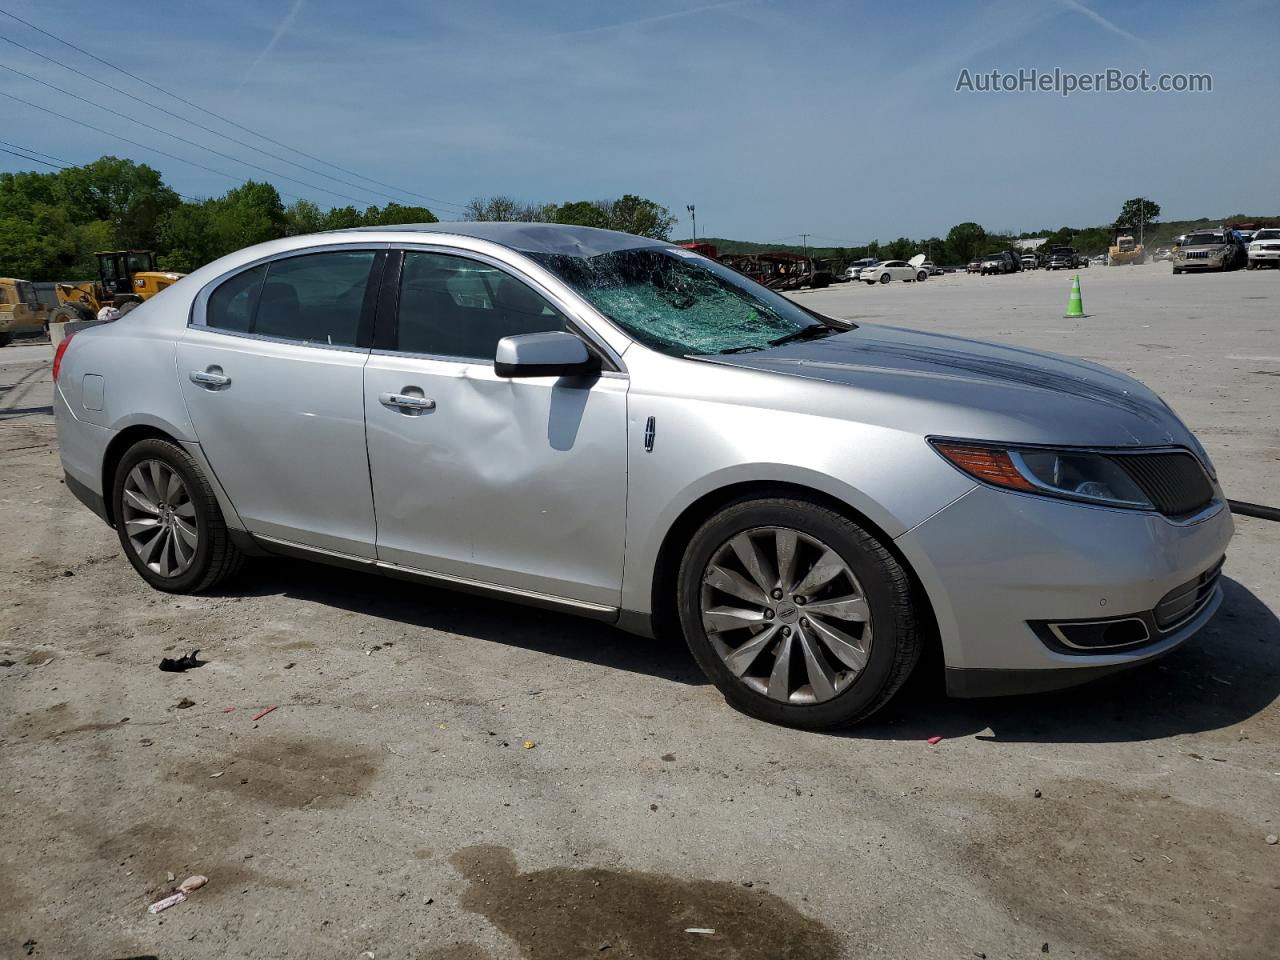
{"type": "Point", "coordinates": [449, 777]}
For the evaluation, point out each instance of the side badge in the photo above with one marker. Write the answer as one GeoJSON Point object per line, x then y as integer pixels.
{"type": "Point", "coordinates": [649, 428]}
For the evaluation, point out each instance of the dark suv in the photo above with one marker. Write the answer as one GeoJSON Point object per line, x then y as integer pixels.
{"type": "Point", "coordinates": [1063, 258]}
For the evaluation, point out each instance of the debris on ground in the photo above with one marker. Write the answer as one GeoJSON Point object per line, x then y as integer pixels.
{"type": "Point", "coordinates": [668, 757]}
{"type": "Point", "coordinates": [228, 709]}
{"type": "Point", "coordinates": [529, 744]}
{"type": "Point", "coordinates": [263, 712]}
{"type": "Point", "coordinates": [184, 703]}
{"type": "Point", "coordinates": [167, 902]}
{"type": "Point", "coordinates": [192, 883]}
{"type": "Point", "coordinates": [180, 664]}
{"type": "Point", "coordinates": [215, 776]}
{"type": "Point", "coordinates": [702, 931]}
{"type": "Point", "coordinates": [934, 741]}
{"type": "Point", "coordinates": [1272, 839]}
{"type": "Point", "coordinates": [1037, 794]}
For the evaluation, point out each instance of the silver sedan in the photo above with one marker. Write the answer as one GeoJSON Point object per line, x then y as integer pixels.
{"type": "Point", "coordinates": [626, 430]}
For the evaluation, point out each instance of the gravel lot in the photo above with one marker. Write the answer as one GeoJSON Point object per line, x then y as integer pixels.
{"type": "Point", "coordinates": [448, 777]}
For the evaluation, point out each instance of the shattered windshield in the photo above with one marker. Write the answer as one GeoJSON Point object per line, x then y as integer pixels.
{"type": "Point", "coordinates": [681, 303]}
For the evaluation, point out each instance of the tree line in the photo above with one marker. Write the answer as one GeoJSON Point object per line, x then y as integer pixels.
{"type": "Point", "coordinates": [51, 224]}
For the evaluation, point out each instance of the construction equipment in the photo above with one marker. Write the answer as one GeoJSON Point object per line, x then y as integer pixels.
{"type": "Point", "coordinates": [20, 310]}
{"type": "Point", "coordinates": [125, 279]}
{"type": "Point", "coordinates": [1124, 249]}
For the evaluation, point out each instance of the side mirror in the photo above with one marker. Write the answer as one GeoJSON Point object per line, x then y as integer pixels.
{"type": "Point", "coordinates": [551, 354]}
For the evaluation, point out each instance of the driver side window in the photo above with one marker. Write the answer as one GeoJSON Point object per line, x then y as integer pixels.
{"type": "Point", "coordinates": [455, 307]}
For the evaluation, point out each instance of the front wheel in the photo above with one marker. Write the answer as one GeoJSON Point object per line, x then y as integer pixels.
{"type": "Point", "coordinates": [168, 519]}
{"type": "Point", "coordinates": [922, 276]}
{"type": "Point", "coordinates": [884, 278]}
{"type": "Point", "coordinates": [796, 613]}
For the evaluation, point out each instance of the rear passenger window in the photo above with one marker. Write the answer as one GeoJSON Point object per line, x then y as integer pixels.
{"type": "Point", "coordinates": [232, 305]}
{"type": "Point", "coordinates": [454, 307]}
{"type": "Point", "coordinates": [314, 298]}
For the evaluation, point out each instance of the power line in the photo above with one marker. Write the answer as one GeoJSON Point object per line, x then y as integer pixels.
{"type": "Point", "coordinates": [118, 136]}
{"type": "Point", "coordinates": [48, 156]}
{"type": "Point", "coordinates": [32, 159]}
{"type": "Point", "coordinates": [180, 139]}
{"type": "Point", "coordinates": [238, 126]}
{"type": "Point", "coordinates": [177, 116]}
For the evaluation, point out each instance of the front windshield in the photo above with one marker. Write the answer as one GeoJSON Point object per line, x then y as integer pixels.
{"type": "Point", "coordinates": [678, 302]}
{"type": "Point", "coordinates": [1267, 235]}
{"type": "Point", "coordinates": [1203, 240]}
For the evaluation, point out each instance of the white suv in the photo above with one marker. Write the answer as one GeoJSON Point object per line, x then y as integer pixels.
{"type": "Point", "coordinates": [1264, 248]}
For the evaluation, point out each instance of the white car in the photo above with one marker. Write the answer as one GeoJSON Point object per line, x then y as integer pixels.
{"type": "Point", "coordinates": [1264, 248]}
{"type": "Point", "coordinates": [896, 270]}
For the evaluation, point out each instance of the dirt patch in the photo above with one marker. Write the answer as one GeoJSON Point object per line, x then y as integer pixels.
{"type": "Point", "coordinates": [148, 852]}
{"type": "Point", "coordinates": [566, 912]}
{"type": "Point", "coordinates": [456, 951]}
{"type": "Point", "coordinates": [1133, 873]}
{"type": "Point", "coordinates": [286, 772]}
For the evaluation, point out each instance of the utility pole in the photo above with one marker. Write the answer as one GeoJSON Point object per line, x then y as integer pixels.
{"type": "Point", "coordinates": [804, 243]}
{"type": "Point", "coordinates": [1142, 218]}
{"type": "Point", "coordinates": [694, 214]}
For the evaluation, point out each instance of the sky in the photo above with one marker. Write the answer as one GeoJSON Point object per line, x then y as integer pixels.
{"type": "Point", "coordinates": [775, 118]}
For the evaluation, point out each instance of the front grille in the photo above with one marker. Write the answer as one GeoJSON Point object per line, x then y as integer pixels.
{"type": "Point", "coordinates": [1196, 255]}
{"type": "Point", "coordinates": [1182, 603]}
{"type": "Point", "coordinates": [1174, 482]}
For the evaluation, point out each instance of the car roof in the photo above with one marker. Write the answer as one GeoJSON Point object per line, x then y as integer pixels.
{"type": "Point", "coordinates": [552, 238]}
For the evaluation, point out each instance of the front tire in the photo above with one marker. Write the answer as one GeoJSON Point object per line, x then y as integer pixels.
{"type": "Point", "coordinates": [884, 278]}
{"type": "Point", "coordinates": [778, 599]}
{"type": "Point", "coordinates": [168, 519]}
{"type": "Point", "coordinates": [922, 276]}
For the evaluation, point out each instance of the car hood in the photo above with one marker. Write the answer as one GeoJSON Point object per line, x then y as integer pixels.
{"type": "Point", "coordinates": [950, 386]}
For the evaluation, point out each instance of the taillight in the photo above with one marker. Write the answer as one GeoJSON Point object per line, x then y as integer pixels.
{"type": "Point", "coordinates": [57, 357]}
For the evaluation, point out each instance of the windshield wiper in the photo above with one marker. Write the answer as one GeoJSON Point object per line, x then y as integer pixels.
{"type": "Point", "coordinates": [807, 333]}
{"type": "Point", "coordinates": [748, 349]}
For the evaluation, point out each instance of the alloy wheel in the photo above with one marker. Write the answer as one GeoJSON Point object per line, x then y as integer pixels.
{"type": "Point", "coordinates": [159, 518]}
{"type": "Point", "coordinates": [786, 615]}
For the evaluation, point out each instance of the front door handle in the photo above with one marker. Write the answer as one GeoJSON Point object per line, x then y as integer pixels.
{"type": "Point", "coordinates": [406, 401]}
{"type": "Point", "coordinates": [210, 378]}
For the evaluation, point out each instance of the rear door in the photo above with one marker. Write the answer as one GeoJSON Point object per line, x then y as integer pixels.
{"type": "Point", "coordinates": [519, 483]}
{"type": "Point", "coordinates": [272, 368]}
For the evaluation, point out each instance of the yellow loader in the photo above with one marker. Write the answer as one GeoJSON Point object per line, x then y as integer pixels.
{"type": "Point", "coordinates": [125, 279]}
{"type": "Point", "coordinates": [1125, 250]}
{"type": "Point", "coordinates": [20, 310]}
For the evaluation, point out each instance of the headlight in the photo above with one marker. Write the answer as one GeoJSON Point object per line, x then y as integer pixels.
{"type": "Point", "coordinates": [1069, 474]}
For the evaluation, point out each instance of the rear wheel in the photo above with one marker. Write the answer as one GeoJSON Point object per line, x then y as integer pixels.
{"type": "Point", "coordinates": [797, 614]}
{"type": "Point", "coordinates": [168, 519]}
{"type": "Point", "coordinates": [6, 339]}
{"type": "Point", "coordinates": [922, 276]}
{"type": "Point", "coordinates": [129, 305]}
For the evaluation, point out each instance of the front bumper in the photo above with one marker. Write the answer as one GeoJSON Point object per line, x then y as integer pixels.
{"type": "Point", "coordinates": [1200, 263]}
{"type": "Point", "coordinates": [1265, 256]}
{"type": "Point", "coordinates": [994, 563]}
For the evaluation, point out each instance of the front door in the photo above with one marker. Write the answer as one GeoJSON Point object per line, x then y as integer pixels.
{"type": "Point", "coordinates": [518, 483]}
{"type": "Point", "coordinates": [273, 374]}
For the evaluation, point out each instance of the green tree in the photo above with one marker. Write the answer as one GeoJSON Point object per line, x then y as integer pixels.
{"type": "Point", "coordinates": [1137, 211]}
{"type": "Point", "coordinates": [394, 213]}
{"type": "Point", "coordinates": [966, 241]}
{"type": "Point", "coordinates": [644, 218]}
{"type": "Point", "coordinates": [582, 213]}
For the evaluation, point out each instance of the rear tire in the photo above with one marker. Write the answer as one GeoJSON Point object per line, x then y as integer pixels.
{"type": "Point", "coordinates": [6, 339]}
{"type": "Point", "coordinates": [922, 276]}
{"type": "Point", "coordinates": [842, 685]}
{"type": "Point", "coordinates": [129, 305]}
{"type": "Point", "coordinates": [159, 492]}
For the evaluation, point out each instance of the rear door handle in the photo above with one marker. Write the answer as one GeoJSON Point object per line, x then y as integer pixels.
{"type": "Point", "coordinates": [207, 378]}
{"type": "Point", "coordinates": [406, 401]}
